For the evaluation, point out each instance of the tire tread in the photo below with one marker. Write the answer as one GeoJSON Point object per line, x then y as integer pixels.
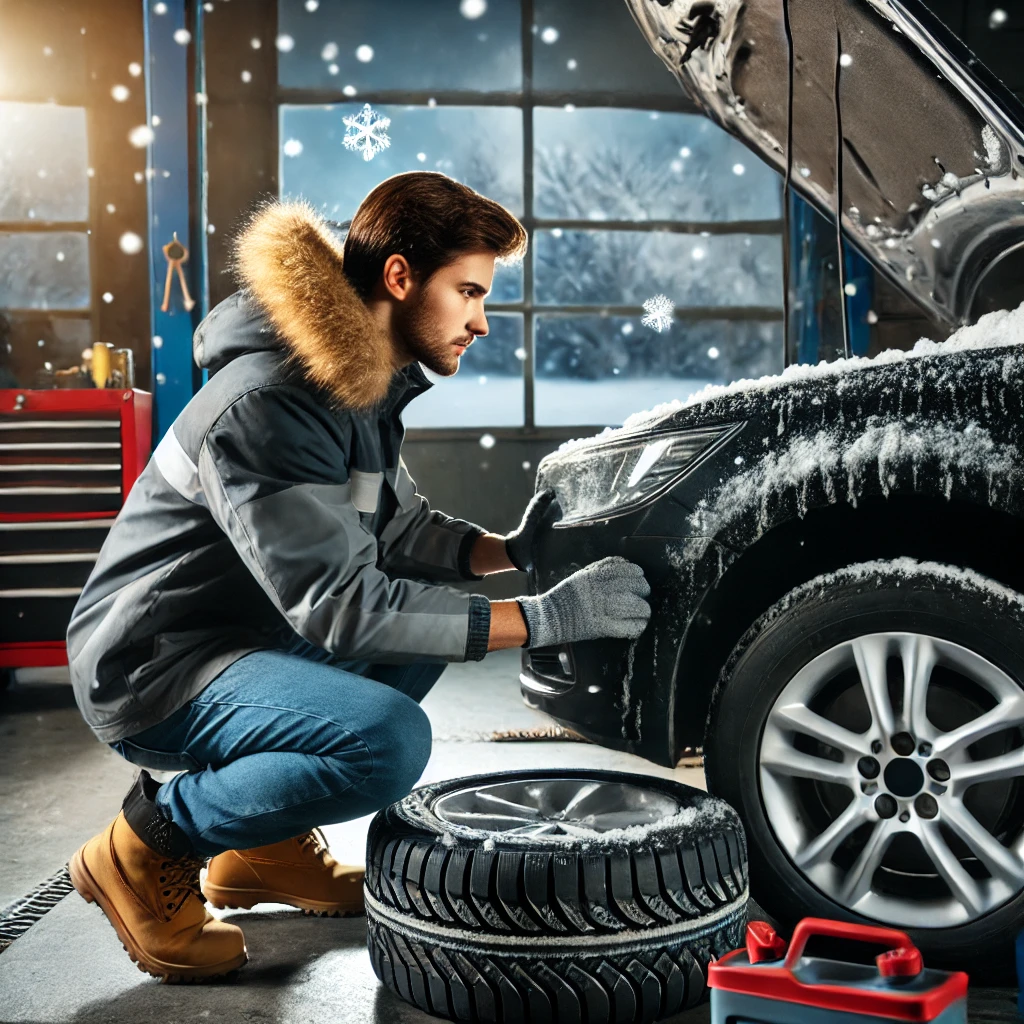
{"type": "Point", "coordinates": [481, 985]}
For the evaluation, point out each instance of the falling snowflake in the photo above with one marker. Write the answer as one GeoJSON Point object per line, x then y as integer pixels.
{"type": "Point", "coordinates": [487, 441]}
{"type": "Point", "coordinates": [998, 18]}
{"type": "Point", "coordinates": [130, 243]}
{"type": "Point", "coordinates": [292, 147]}
{"type": "Point", "coordinates": [366, 132]}
{"type": "Point", "coordinates": [141, 136]}
{"type": "Point", "coordinates": [659, 313]}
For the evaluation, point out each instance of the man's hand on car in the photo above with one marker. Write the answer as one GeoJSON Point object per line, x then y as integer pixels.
{"type": "Point", "coordinates": [604, 599]}
{"type": "Point", "coordinates": [519, 543]}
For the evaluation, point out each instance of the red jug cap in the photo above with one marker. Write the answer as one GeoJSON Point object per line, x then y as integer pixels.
{"type": "Point", "coordinates": [763, 942]}
{"type": "Point", "coordinates": [903, 962]}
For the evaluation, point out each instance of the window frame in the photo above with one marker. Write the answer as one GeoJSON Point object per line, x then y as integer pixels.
{"type": "Point", "coordinates": [42, 227]}
{"type": "Point", "coordinates": [527, 100]}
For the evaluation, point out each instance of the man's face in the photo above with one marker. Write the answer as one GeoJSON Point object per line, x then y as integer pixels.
{"type": "Point", "coordinates": [441, 318]}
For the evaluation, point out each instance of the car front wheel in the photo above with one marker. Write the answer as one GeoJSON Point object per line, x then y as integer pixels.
{"type": "Point", "coordinates": [869, 728]}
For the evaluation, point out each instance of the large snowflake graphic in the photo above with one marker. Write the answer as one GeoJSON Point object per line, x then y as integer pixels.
{"type": "Point", "coordinates": [659, 313]}
{"type": "Point", "coordinates": [366, 132]}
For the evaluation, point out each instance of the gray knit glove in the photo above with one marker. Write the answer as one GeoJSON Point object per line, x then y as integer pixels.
{"type": "Point", "coordinates": [519, 543]}
{"type": "Point", "coordinates": [605, 598]}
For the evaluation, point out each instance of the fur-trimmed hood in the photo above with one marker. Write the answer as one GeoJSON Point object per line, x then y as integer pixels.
{"type": "Point", "coordinates": [289, 266]}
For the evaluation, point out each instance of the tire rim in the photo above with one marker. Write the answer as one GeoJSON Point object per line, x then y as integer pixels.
{"type": "Point", "coordinates": [890, 770]}
{"type": "Point", "coordinates": [553, 807]}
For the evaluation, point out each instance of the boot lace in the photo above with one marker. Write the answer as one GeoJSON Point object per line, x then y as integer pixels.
{"type": "Point", "coordinates": [315, 841]}
{"type": "Point", "coordinates": [181, 880]}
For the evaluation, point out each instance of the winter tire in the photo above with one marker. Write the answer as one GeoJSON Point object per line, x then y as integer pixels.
{"type": "Point", "coordinates": [870, 731]}
{"type": "Point", "coordinates": [563, 896]}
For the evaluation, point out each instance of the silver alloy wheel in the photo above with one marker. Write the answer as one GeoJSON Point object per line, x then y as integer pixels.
{"type": "Point", "coordinates": [546, 807]}
{"type": "Point", "coordinates": [905, 776]}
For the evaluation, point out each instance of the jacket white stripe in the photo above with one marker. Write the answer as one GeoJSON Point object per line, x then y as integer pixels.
{"type": "Point", "coordinates": [179, 470]}
{"type": "Point", "coordinates": [365, 489]}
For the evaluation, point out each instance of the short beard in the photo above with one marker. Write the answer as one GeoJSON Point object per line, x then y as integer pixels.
{"type": "Point", "coordinates": [415, 328]}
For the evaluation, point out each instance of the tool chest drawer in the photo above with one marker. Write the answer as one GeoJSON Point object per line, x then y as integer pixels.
{"type": "Point", "coordinates": [68, 459]}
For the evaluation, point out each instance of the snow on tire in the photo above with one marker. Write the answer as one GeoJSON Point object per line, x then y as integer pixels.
{"type": "Point", "coordinates": [554, 896]}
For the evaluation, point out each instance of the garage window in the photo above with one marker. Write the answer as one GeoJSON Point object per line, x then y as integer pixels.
{"type": "Point", "coordinates": [44, 241]}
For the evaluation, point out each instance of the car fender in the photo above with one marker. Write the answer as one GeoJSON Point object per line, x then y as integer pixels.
{"type": "Point", "coordinates": [854, 466]}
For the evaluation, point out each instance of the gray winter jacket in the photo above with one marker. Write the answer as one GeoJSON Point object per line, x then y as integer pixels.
{"type": "Point", "coordinates": [278, 503]}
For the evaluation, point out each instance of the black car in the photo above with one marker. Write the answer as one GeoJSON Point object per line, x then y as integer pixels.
{"type": "Point", "coordinates": [835, 554]}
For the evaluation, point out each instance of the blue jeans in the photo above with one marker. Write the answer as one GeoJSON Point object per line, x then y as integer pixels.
{"type": "Point", "coordinates": [285, 740]}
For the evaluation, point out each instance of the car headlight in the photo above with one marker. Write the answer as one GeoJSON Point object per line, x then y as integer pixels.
{"type": "Point", "coordinates": [605, 479]}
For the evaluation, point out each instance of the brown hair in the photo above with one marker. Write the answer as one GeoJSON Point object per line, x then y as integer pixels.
{"type": "Point", "coordinates": [431, 220]}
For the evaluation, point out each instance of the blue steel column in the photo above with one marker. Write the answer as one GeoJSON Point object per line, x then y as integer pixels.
{"type": "Point", "coordinates": [168, 95]}
{"type": "Point", "coordinates": [200, 254]}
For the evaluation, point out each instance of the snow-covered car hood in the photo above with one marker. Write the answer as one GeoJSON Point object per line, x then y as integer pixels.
{"type": "Point", "coordinates": [715, 403]}
{"type": "Point", "coordinates": [928, 184]}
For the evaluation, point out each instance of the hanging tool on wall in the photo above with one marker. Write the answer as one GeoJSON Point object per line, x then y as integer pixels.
{"type": "Point", "coordinates": [176, 254]}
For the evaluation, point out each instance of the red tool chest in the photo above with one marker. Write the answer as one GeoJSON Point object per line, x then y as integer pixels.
{"type": "Point", "coordinates": [68, 459]}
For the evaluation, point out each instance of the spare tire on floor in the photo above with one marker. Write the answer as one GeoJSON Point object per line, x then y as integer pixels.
{"type": "Point", "coordinates": [554, 895]}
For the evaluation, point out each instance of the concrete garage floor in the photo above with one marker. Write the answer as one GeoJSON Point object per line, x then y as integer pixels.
{"type": "Point", "coordinates": [58, 787]}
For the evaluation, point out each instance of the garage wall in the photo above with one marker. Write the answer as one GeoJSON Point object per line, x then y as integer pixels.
{"type": "Point", "coordinates": [488, 486]}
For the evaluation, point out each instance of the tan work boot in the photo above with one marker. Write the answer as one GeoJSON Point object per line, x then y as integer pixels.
{"type": "Point", "coordinates": [299, 872]}
{"type": "Point", "coordinates": [154, 902]}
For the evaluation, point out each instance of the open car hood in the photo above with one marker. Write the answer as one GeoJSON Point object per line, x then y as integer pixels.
{"type": "Point", "coordinates": [927, 177]}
